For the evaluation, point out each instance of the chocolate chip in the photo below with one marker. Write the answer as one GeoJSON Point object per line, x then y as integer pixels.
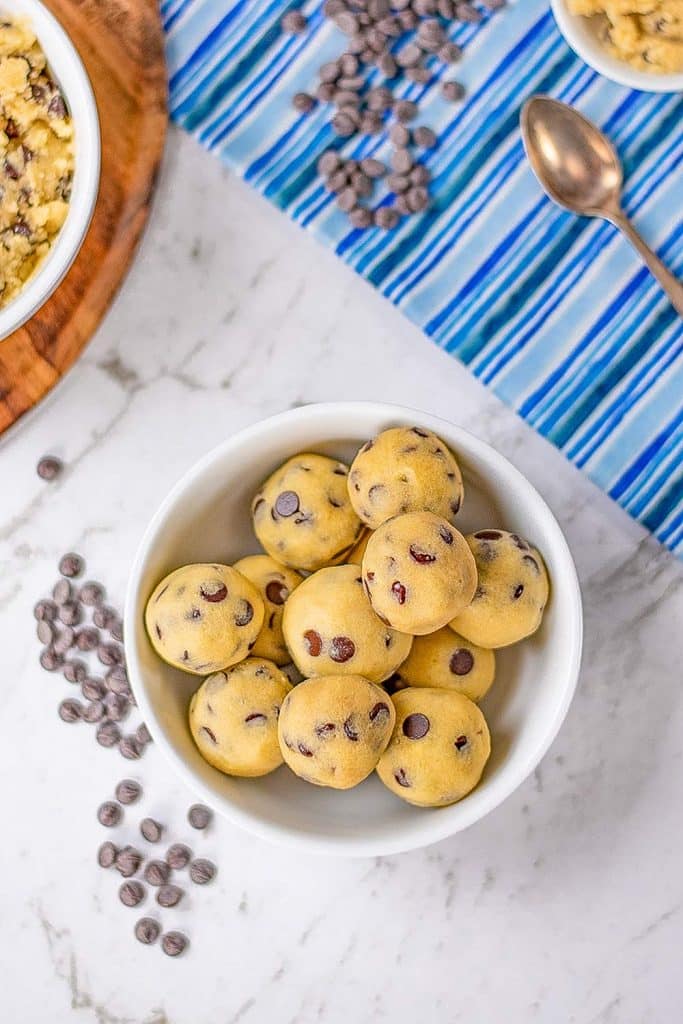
{"type": "Point", "coordinates": [117, 706]}
{"type": "Point", "coordinates": [157, 872]}
{"type": "Point", "coordinates": [455, 506]}
{"type": "Point", "coordinates": [87, 638]}
{"type": "Point", "coordinates": [328, 162]}
{"type": "Point", "coordinates": [416, 726]}
{"type": "Point", "coordinates": [399, 183]}
{"type": "Point", "coordinates": [419, 74]}
{"type": "Point", "coordinates": [420, 175]}
{"type": "Point", "coordinates": [57, 106]}
{"type": "Point", "coordinates": [344, 126]}
{"type": "Point", "coordinates": [342, 648]}
{"type": "Point", "coordinates": [360, 217]}
{"type": "Point", "coordinates": [49, 467]}
{"type": "Point", "coordinates": [75, 671]}
{"type": "Point", "coordinates": [128, 861]}
{"type": "Point", "coordinates": [303, 102]}
{"type": "Point", "coordinates": [405, 111]}
{"type": "Point", "coordinates": [313, 642]}
{"type": "Point", "coordinates": [214, 591]}
{"type": "Point", "coordinates": [94, 712]}
{"type": "Point", "coordinates": [142, 735]}
{"type": "Point", "coordinates": [401, 161]}
{"type": "Point", "coordinates": [169, 895]}
{"type": "Point", "coordinates": [373, 168]}
{"type": "Point", "coordinates": [70, 613]}
{"type": "Point", "coordinates": [399, 591]}
{"type": "Point", "coordinates": [131, 893]}
{"type": "Point", "coordinates": [244, 613]}
{"type": "Point", "coordinates": [379, 710]}
{"type": "Point", "coordinates": [294, 23]}
{"type": "Point", "coordinates": [106, 855]}
{"type": "Point", "coordinates": [92, 688]}
{"type": "Point", "coordinates": [108, 734]}
{"type": "Point", "coordinates": [64, 641]}
{"type": "Point", "coordinates": [276, 592]}
{"type": "Point", "coordinates": [45, 632]}
{"type": "Point", "coordinates": [386, 218]}
{"type": "Point", "coordinates": [129, 748]}
{"type": "Point", "coordinates": [449, 53]}
{"type": "Point", "coordinates": [199, 816]}
{"type": "Point", "coordinates": [518, 591]}
{"type": "Point", "coordinates": [452, 91]}
{"type": "Point", "coordinates": [71, 565]}
{"type": "Point", "coordinates": [418, 199]}
{"type": "Point", "coordinates": [116, 679]}
{"type": "Point", "coordinates": [326, 729]}
{"type": "Point", "coordinates": [488, 535]}
{"type": "Point", "coordinates": [461, 662]}
{"type": "Point", "coordinates": [151, 830]}
{"type": "Point", "coordinates": [350, 730]}
{"type": "Point", "coordinates": [402, 778]}
{"type": "Point", "coordinates": [202, 871]}
{"type": "Point", "coordinates": [460, 742]}
{"type": "Point", "coordinates": [346, 200]}
{"type": "Point", "coordinates": [424, 137]}
{"type": "Point", "coordinates": [466, 12]}
{"type": "Point", "coordinates": [147, 931]}
{"type": "Point", "coordinates": [387, 65]}
{"type": "Point", "coordinates": [533, 563]}
{"type": "Point", "coordinates": [174, 943]}
{"type": "Point", "coordinates": [178, 856]}
{"type": "Point", "coordinates": [209, 732]}
{"type": "Point", "coordinates": [62, 591]}
{"type": "Point", "coordinates": [45, 611]}
{"type": "Point", "coordinates": [421, 557]}
{"type": "Point", "coordinates": [128, 791]}
{"type": "Point", "coordinates": [109, 814]}
{"type": "Point", "coordinates": [287, 503]}
{"type": "Point", "coordinates": [70, 710]}
{"type": "Point", "coordinates": [91, 594]}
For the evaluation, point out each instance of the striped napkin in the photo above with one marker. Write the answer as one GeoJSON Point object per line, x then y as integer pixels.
{"type": "Point", "coordinates": [553, 312]}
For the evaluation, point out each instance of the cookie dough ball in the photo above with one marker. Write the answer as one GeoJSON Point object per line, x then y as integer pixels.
{"type": "Point", "coordinates": [203, 618]}
{"type": "Point", "coordinates": [275, 583]}
{"type": "Point", "coordinates": [355, 555]}
{"type": "Point", "coordinates": [333, 729]}
{"type": "Point", "coordinates": [405, 469]}
{"type": "Point", "coordinates": [331, 629]}
{"type": "Point", "coordinates": [303, 516]}
{"type": "Point", "coordinates": [233, 718]}
{"type": "Point", "coordinates": [438, 749]}
{"type": "Point", "coordinates": [419, 572]}
{"type": "Point", "coordinates": [448, 661]}
{"type": "Point", "coordinates": [512, 591]}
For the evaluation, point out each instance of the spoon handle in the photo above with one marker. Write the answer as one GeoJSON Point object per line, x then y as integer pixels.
{"type": "Point", "coordinates": [671, 285]}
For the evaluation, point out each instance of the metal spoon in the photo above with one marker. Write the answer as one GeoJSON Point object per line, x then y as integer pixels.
{"type": "Point", "coordinates": [578, 167]}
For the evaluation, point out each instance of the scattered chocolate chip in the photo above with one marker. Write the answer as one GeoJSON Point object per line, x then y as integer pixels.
{"type": "Point", "coordinates": [256, 718]}
{"type": "Point", "coordinates": [488, 535]}
{"type": "Point", "coordinates": [70, 710]}
{"type": "Point", "coordinates": [399, 183]}
{"type": "Point", "coordinates": [313, 642]}
{"type": "Point", "coordinates": [106, 855]}
{"type": "Point", "coordinates": [386, 218]}
{"type": "Point", "coordinates": [401, 161]}
{"type": "Point", "coordinates": [92, 688]}
{"type": "Point", "coordinates": [178, 856]}
{"type": "Point", "coordinates": [303, 102]}
{"type": "Point", "coordinates": [342, 649]}
{"type": "Point", "coordinates": [75, 671]}
{"type": "Point", "coordinates": [304, 751]}
{"type": "Point", "coordinates": [128, 791]}
{"type": "Point", "coordinates": [533, 563]}
{"type": "Point", "coordinates": [45, 611]}
{"type": "Point", "coordinates": [116, 680]}
{"type": "Point", "coordinates": [350, 729]}
{"type": "Point", "coordinates": [452, 91]}
{"type": "Point", "coordinates": [87, 638]}
{"type": "Point", "coordinates": [147, 931]}
{"type": "Point", "coordinates": [199, 816]}
{"type": "Point", "coordinates": [45, 632]}
{"type": "Point", "coordinates": [424, 137]}
{"type": "Point", "coordinates": [128, 861]}
{"type": "Point", "coordinates": [360, 217]}
{"type": "Point", "coordinates": [142, 735]}
{"type": "Point", "coordinates": [380, 710]}
{"type": "Point", "coordinates": [108, 734]}
{"type": "Point", "coordinates": [50, 659]}
{"type": "Point", "coordinates": [208, 732]}
{"type": "Point", "coordinates": [276, 592]}
{"type": "Point", "coordinates": [420, 175]}
{"type": "Point", "coordinates": [294, 22]}
{"type": "Point", "coordinates": [202, 871]}
{"type": "Point", "coordinates": [399, 591]}
{"type": "Point", "coordinates": [64, 640]}
{"type": "Point", "coordinates": [129, 748]}
{"type": "Point", "coordinates": [518, 591]}
{"type": "Point", "coordinates": [214, 592]}
{"type": "Point", "coordinates": [244, 613]}
{"type": "Point", "coordinates": [131, 893]}
{"type": "Point", "coordinates": [418, 199]}
{"type": "Point", "coordinates": [449, 53]}
{"type": "Point", "coordinates": [71, 565]}
{"type": "Point", "coordinates": [174, 943]}
{"type": "Point", "coordinates": [325, 729]}
{"type": "Point", "coordinates": [402, 778]}
{"type": "Point", "coordinates": [70, 613]}
{"type": "Point", "coordinates": [94, 712]}
{"type": "Point", "coordinates": [460, 742]}
{"type": "Point", "coordinates": [49, 467]}
{"type": "Point", "coordinates": [157, 872]}
{"type": "Point", "coordinates": [169, 895]}
{"type": "Point", "coordinates": [151, 830]}
{"type": "Point", "coordinates": [110, 654]}
{"type": "Point", "coordinates": [109, 814]}
{"type": "Point", "coordinates": [91, 594]}
{"type": "Point", "coordinates": [62, 591]}
{"type": "Point", "coordinates": [117, 706]}
{"type": "Point", "coordinates": [287, 503]}
{"type": "Point", "coordinates": [446, 535]}
{"type": "Point", "coordinates": [373, 168]}
{"type": "Point", "coordinates": [416, 726]}
{"type": "Point", "coordinates": [461, 662]}
{"type": "Point", "coordinates": [421, 557]}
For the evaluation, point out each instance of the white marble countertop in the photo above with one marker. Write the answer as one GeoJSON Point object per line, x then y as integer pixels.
{"type": "Point", "coordinates": [565, 905]}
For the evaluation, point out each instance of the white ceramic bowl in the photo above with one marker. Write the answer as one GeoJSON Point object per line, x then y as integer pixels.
{"type": "Point", "coordinates": [68, 70]}
{"type": "Point", "coordinates": [206, 517]}
{"type": "Point", "coordinates": [582, 35]}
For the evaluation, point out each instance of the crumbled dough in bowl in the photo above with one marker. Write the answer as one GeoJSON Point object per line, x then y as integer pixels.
{"type": "Point", "coordinates": [647, 34]}
{"type": "Point", "coordinates": [36, 157]}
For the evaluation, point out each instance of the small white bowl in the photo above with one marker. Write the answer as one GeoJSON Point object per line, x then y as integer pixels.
{"type": "Point", "coordinates": [582, 35]}
{"type": "Point", "coordinates": [206, 517]}
{"type": "Point", "coordinates": [67, 68]}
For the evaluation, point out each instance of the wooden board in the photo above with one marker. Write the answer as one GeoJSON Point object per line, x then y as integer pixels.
{"type": "Point", "coordinates": [122, 46]}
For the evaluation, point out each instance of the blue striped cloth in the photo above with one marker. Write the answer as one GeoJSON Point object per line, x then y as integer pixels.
{"type": "Point", "coordinates": [553, 312]}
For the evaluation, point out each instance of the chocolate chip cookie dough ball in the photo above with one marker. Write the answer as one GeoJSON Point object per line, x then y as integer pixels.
{"type": "Point", "coordinates": [449, 662]}
{"type": "Point", "coordinates": [303, 516]}
{"type": "Point", "coordinates": [418, 572]}
{"type": "Point", "coordinates": [438, 749]}
{"type": "Point", "coordinates": [202, 618]}
{"type": "Point", "coordinates": [333, 729]}
{"type": "Point", "coordinates": [233, 718]}
{"type": "Point", "coordinates": [512, 592]}
{"type": "Point", "coordinates": [275, 583]}
{"type": "Point", "coordinates": [405, 469]}
{"type": "Point", "coordinates": [330, 628]}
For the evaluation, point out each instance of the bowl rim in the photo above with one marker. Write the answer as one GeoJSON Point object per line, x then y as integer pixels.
{"type": "Point", "coordinates": [436, 827]}
{"type": "Point", "coordinates": [64, 61]}
{"type": "Point", "coordinates": [602, 62]}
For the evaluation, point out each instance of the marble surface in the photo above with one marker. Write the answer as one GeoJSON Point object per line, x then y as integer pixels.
{"type": "Point", "coordinates": [566, 904]}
